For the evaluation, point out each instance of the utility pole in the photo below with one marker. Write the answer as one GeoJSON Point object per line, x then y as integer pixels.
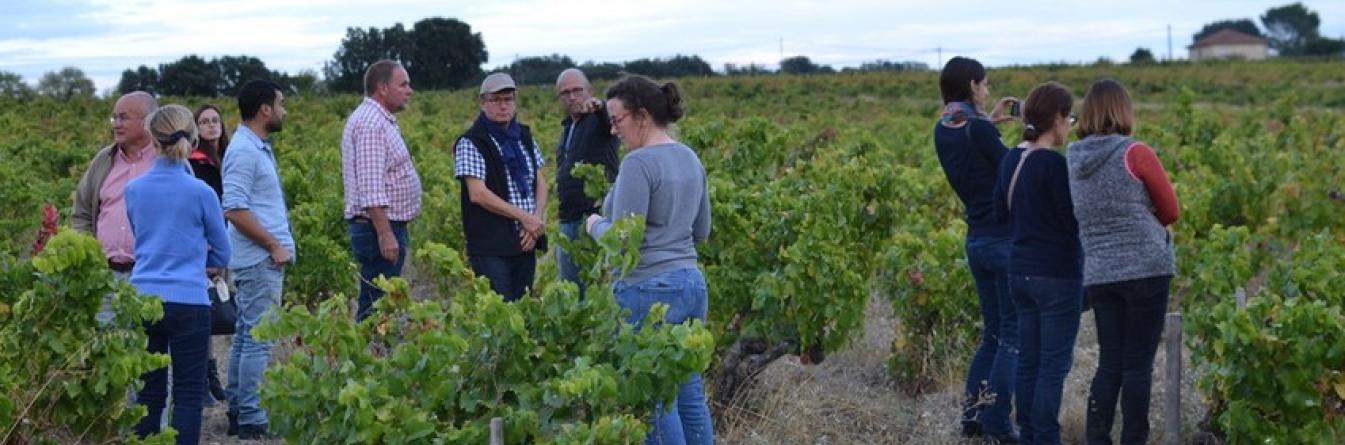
{"type": "Point", "coordinates": [940, 50]}
{"type": "Point", "coordinates": [1169, 43]}
{"type": "Point", "coordinates": [782, 48]}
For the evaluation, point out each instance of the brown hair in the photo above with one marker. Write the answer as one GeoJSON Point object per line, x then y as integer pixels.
{"type": "Point", "coordinates": [636, 92]}
{"type": "Point", "coordinates": [214, 150]}
{"type": "Point", "coordinates": [379, 73]}
{"type": "Point", "coordinates": [1043, 104]}
{"type": "Point", "coordinates": [1106, 110]}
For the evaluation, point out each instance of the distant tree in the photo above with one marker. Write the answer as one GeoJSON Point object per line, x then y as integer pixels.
{"type": "Point", "coordinates": [602, 71]}
{"type": "Point", "coordinates": [751, 69]}
{"type": "Point", "coordinates": [886, 65]}
{"type": "Point", "coordinates": [446, 54]}
{"type": "Point", "coordinates": [1246, 26]}
{"type": "Point", "coordinates": [234, 71]}
{"type": "Point", "coordinates": [361, 48]}
{"type": "Point", "coordinates": [801, 65]}
{"type": "Point", "coordinates": [1142, 56]}
{"type": "Point", "coordinates": [189, 76]}
{"type": "Point", "coordinates": [677, 66]}
{"type": "Point", "coordinates": [142, 79]}
{"type": "Point", "coordinates": [306, 82]}
{"type": "Point", "coordinates": [1323, 46]}
{"type": "Point", "coordinates": [1291, 27]}
{"type": "Point", "coordinates": [12, 86]}
{"type": "Point", "coordinates": [539, 69]}
{"type": "Point", "coordinates": [66, 84]}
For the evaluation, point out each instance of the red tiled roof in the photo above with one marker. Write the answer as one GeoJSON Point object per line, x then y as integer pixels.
{"type": "Point", "coordinates": [1228, 36]}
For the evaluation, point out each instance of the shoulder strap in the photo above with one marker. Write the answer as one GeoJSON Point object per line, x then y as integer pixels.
{"type": "Point", "coordinates": [1014, 181]}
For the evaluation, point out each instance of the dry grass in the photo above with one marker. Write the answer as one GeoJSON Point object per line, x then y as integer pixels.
{"type": "Point", "coordinates": [849, 398]}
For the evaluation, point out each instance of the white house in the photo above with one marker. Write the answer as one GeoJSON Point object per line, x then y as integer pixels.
{"type": "Point", "coordinates": [1230, 44]}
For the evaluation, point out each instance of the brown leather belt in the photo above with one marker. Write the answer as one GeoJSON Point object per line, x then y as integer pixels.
{"type": "Point", "coordinates": [120, 267]}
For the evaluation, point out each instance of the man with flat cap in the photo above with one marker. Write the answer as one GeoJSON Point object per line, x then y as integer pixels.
{"type": "Point", "coordinates": [503, 192]}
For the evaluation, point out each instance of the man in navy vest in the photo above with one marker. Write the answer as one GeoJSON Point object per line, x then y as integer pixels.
{"type": "Point", "coordinates": [503, 192]}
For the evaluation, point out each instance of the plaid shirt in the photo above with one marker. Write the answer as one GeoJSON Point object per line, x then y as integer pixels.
{"type": "Point", "coordinates": [469, 163]}
{"type": "Point", "coordinates": [376, 168]}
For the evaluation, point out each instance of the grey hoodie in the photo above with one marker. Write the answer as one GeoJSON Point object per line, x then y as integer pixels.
{"type": "Point", "coordinates": [1122, 238]}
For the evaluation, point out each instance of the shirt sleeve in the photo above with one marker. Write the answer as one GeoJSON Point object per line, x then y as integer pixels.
{"type": "Point", "coordinates": [700, 227]}
{"type": "Point", "coordinates": [1060, 197]}
{"type": "Point", "coordinates": [985, 139]}
{"type": "Point", "coordinates": [216, 237]}
{"type": "Point", "coordinates": [240, 171]}
{"type": "Point", "coordinates": [1143, 164]}
{"type": "Point", "coordinates": [537, 155]}
{"type": "Point", "coordinates": [370, 164]}
{"type": "Point", "coordinates": [1001, 193]}
{"type": "Point", "coordinates": [467, 161]}
{"type": "Point", "coordinates": [630, 196]}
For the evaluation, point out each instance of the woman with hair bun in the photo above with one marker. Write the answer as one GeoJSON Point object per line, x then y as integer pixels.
{"type": "Point", "coordinates": [663, 182]}
{"type": "Point", "coordinates": [179, 233]}
{"type": "Point", "coordinates": [1045, 260]}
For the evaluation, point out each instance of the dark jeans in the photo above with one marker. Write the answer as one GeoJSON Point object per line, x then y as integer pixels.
{"type": "Point", "coordinates": [184, 334]}
{"type": "Point", "coordinates": [510, 276]}
{"type": "Point", "coordinates": [1129, 318]}
{"type": "Point", "coordinates": [1048, 322]}
{"type": "Point", "coordinates": [364, 244]}
{"type": "Point", "coordinates": [569, 271]}
{"type": "Point", "coordinates": [990, 379]}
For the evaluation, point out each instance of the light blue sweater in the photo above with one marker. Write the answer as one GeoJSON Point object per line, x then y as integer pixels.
{"type": "Point", "coordinates": [179, 232]}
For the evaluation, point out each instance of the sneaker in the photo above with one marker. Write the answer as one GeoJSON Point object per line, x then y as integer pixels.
{"type": "Point", "coordinates": [233, 423]}
{"type": "Point", "coordinates": [253, 432]}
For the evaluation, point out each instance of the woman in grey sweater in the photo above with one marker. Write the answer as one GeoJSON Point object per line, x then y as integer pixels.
{"type": "Point", "coordinates": [1122, 200]}
{"type": "Point", "coordinates": [663, 182]}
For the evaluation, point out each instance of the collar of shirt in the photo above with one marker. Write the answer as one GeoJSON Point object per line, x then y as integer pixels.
{"type": "Point", "coordinates": [246, 133]}
{"type": "Point", "coordinates": [369, 101]}
{"type": "Point", "coordinates": [137, 156]}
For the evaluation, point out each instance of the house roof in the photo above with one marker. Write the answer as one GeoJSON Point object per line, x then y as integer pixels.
{"type": "Point", "coordinates": [1228, 36]}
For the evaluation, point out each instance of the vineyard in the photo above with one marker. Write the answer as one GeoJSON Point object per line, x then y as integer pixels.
{"type": "Point", "coordinates": [828, 202]}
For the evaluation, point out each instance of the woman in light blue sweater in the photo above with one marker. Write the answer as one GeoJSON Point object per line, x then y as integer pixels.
{"type": "Point", "coordinates": [179, 233]}
{"type": "Point", "coordinates": [663, 182]}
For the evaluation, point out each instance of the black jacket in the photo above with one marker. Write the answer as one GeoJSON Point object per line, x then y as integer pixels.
{"type": "Point", "coordinates": [592, 143]}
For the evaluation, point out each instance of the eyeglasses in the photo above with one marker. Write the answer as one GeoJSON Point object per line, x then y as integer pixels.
{"type": "Point", "coordinates": [209, 121]}
{"type": "Point", "coordinates": [119, 118]}
{"type": "Point", "coordinates": [499, 100]}
{"type": "Point", "coordinates": [1072, 119]}
{"type": "Point", "coordinates": [616, 120]}
{"type": "Point", "coordinates": [572, 92]}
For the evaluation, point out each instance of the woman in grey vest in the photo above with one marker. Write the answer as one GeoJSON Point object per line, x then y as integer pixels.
{"type": "Point", "coordinates": [1123, 201]}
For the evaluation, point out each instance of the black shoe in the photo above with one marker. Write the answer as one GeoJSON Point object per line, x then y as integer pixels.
{"type": "Point", "coordinates": [972, 429]}
{"type": "Point", "coordinates": [1008, 439]}
{"type": "Point", "coordinates": [253, 432]}
{"type": "Point", "coordinates": [233, 424]}
{"type": "Point", "coordinates": [213, 382]}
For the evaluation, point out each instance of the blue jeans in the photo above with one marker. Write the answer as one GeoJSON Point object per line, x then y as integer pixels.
{"type": "Point", "coordinates": [1048, 322]}
{"type": "Point", "coordinates": [995, 364]}
{"type": "Point", "coordinates": [1130, 317]}
{"type": "Point", "coordinates": [259, 289]}
{"type": "Point", "coordinates": [687, 297]}
{"type": "Point", "coordinates": [510, 276]}
{"type": "Point", "coordinates": [364, 244]}
{"type": "Point", "coordinates": [569, 271]}
{"type": "Point", "coordinates": [184, 334]}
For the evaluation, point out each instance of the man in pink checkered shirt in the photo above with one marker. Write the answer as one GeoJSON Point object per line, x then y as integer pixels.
{"type": "Point", "coordinates": [382, 188]}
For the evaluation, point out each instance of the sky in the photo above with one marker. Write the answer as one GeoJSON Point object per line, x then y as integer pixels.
{"type": "Point", "coordinates": [104, 37]}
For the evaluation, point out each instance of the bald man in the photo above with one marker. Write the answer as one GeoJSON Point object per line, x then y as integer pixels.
{"type": "Point", "coordinates": [586, 137]}
{"type": "Point", "coordinates": [100, 209]}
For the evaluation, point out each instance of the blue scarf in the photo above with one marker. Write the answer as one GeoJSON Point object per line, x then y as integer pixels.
{"type": "Point", "coordinates": [959, 112]}
{"type": "Point", "coordinates": [510, 138]}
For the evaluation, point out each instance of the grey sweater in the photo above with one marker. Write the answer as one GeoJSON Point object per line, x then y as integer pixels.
{"type": "Point", "coordinates": [1122, 238]}
{"type": "Point", "coordinates": [666, 184]}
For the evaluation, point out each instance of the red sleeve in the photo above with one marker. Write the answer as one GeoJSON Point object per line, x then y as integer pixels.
{"type": "Point", "coordinates": [1144, 166]}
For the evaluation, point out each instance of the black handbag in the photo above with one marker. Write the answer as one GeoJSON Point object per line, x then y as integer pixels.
{"type": "Point", "coordinates": [223, 310]}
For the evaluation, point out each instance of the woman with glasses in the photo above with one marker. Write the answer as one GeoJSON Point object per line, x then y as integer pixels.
{"type": "Point", "coordinates": [205, 164]}
{"type": "Point", "coordinates": [1045, 261]}
{"type": "Point", "coordinates": [1123, 201]}
{"type": "Point", "coordinates": [970, 149]}
{"type": "Point", "coordinates": [663, 182]}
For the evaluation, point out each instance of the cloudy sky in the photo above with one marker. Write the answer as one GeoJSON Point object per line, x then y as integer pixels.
{"type": "Point", "coordinates": [104, 37]}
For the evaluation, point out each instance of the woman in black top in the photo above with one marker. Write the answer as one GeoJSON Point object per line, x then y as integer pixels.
{"type": "Point", "coordinates": [205, 164]}
{"type": "Point", "coordinates": [969, 149]}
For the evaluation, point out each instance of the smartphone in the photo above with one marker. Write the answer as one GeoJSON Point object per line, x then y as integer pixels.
{"type": "Point", "coordinates": [1015, 108]}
